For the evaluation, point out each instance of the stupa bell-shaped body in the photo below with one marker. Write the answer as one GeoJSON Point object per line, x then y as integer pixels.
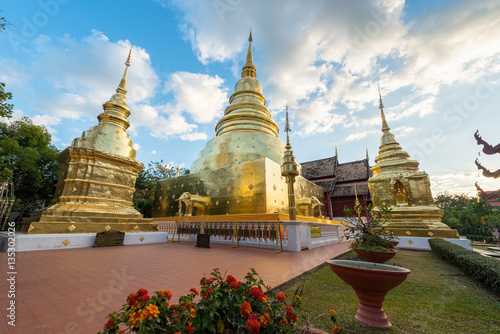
{"type": "Point", "coordinates": [96, 180]}
{"type": "Point", "coordinates": [247, 131]}
{"type": "Point", "coordinates": [238, 171]}
{"type": "Point", "coordinates": [398, 184]}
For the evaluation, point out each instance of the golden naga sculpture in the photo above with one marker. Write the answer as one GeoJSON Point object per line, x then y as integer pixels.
{"type": "Point", "coordinates": [240, 168]}
{"type": "Point", "coordinates": [96, 178]}
{"type": "Point", "coordinates": [398, 184]}
{"type": "Point", "coordinates": [191, 202]}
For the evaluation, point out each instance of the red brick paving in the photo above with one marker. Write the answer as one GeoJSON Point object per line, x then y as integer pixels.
{"type": "Point", "coordinates": [72, 291]}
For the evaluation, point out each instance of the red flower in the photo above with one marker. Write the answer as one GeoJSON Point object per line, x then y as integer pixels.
{"type": "Point", "coordinates": [246, 309]}
{"type": "Point", "coordinates": [280, 297]}
{"type": "Point", "coordinates": [132, 299]}
{"type": "Point", "coordinates": [288, 309]}
{"type": "Point", "coordinates": [252, 325]}
{"type": "Point", "coordinates": [230, 278]}
{"type": "Point", "coordinates": [189, 329]}
{"type": "Point", "coordinates": [109, 324]}
{"type": "Point", "coordinates": [168, 294]}
{"type": "Point", "coordinates": [258, 294]}
{"type": "Point", "coordinates": [336, 329]}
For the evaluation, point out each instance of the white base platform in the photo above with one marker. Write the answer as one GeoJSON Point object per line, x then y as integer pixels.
{"type": "Point", "coordinates": [32, 242]}
{"type": "Point", "coordinates": [423, 243]}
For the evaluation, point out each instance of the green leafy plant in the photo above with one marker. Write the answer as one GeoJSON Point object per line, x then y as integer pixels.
{"type": "Point", "coordinates": [368, 234]}
{"type": "Point", "coordinates": [225, 305]}
{"type": "Point", "coordinates": [482, 268]}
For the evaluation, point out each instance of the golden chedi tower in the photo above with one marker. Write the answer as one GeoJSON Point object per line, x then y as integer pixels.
{"type": "Point", "coordinates": [239, 170]}
{"type": "Point", "coordinates": [97, 178]}
{"type": "Point", "coordinates": [398, 184]}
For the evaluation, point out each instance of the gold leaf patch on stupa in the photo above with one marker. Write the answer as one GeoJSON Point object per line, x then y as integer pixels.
{"type": "Point", "coordinates": [71, 227]}
{"type": "Point", "coordinates": [430, 234]}
{"type": "Point", "coordinates": [136, 227]}
{"type": "Point", "coordinates": [217, 203]}
{"type": "Point", "coordinates": [31, 228]}
{"type": "Point", "coordinates": [107, 228]}
{"type": "Point", "coordinates": [66, 242]}
{"type": "Point", "coordinates": [141, 238]}
{"type": "Point", "coordinates": [408, 232]}
{"type": "Point", "coordinates": [75, 189]}
{"type": "Point", "coordinates": [410, 242]}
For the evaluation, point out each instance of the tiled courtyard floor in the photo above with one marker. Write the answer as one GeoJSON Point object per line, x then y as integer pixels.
{"type": "Point", "coordinates": [72, 291]}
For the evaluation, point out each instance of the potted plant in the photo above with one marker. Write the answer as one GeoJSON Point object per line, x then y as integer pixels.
{"type": "Point", "coordinates": [369, 239]}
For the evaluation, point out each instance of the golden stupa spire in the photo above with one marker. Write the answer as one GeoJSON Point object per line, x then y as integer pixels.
{"type": "Point", "coordinates": [290, 170]}
{"type": "Point", "coordinates": [385, 127]}
{"type": "Point", "coordinates": [122, 87]}
{"type": "Point", "coordinates": [357, 205]}
{"type": "Point", "coordinates": [336, 153]}
{"type": "Point", "coordinates": [249, 69]}
{"type": "Point", "coordinates": [287, 129]}
{"type": "Point", "coordinates": [367, 156]}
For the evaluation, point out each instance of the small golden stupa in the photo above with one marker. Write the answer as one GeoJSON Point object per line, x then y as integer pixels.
{"type": "Point", "coordinates": [97, 178]}
{"type": "Point", "coordinates": [238, 171]}
{"type": "Point", "coordinates": [398, 185]}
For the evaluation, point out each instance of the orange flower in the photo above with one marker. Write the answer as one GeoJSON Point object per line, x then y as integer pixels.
{"type": "Point", "coordinates": [168, 294]}
{"type": "Point", "coordinates": [264, 319]}
{"type": "Point", "coordinates": [332, 312]}
{"type": "Point", "coordinates": [336, 329]}
{"type": "Point", "coordinates": [280, 297]}
{"type": "Point", "coordinates": [264, 299]}
{"type": "Point", "coordinates": [193, 290]}
{"type": "Point", "coordinates": [246, 309]}
{"type": "Point", "coordinates": [298, 297]}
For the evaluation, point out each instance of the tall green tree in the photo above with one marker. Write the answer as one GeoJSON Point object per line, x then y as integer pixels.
{"type": "Point", "coordinates": [5, 107]}
{"type": "Point", "coordinates": [145, 184]}
{"type": "Point", "coordinates": [28, 159]}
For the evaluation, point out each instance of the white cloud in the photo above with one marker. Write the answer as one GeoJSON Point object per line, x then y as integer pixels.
{"type": "Point", "coordinates": [327, 58]}
{"type": "Point", "coordinates": [69, 78]}
{"type": "Point", "coordinates": [137, 146]}
{"type": "Point", "coordinates": [153, 152]}
{"type": "Point", "coordinates": [200, 95]}
{"type": "Point", "coordinates": [48, 121]}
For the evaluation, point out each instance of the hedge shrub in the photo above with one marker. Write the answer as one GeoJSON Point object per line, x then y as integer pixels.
{"type": "Point", "coordinates": [481, 268]}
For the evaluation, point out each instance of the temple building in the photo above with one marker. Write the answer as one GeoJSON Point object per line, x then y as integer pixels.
{"type": "Point", "coordinates": [239, 170]}
{"type": "Point", "coordinates": [339, 182]}
{"type": "Point", "coordinates": [492, 196]}
{"type": "Point", "coordinates": [398, 185]}
{"type": "Point", "coordinates": [96, 178]}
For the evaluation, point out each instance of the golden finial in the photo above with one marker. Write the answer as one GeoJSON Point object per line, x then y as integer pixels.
{"type": "Point", "coordinates": [178, 170]}
{"type": "Point", "coordinates": [249, 69]}
{"type": "Point", "coordinates": [122, 87]}
{"type": "Point", "coordinates": [127, 62]}
{"type": "Point", "coordinates": [336, 153]}
{"type": "Point", "coordinates": [287, 127]}
{"type": "Point", "coordinates": [385, 127]}
{"type": "Point", "coordinates": [367, 157]}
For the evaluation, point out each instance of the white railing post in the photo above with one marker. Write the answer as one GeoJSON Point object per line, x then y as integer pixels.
{"type": "Point", "coordinates": [294, 235]}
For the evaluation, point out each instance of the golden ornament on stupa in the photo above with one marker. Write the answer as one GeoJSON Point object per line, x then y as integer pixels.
{"type": "Point", "coordinates": [96, 180]}
{"type": "Point", "coordinates": [238, 172]}
{"type": "Point", "coordinates": [398, 185]}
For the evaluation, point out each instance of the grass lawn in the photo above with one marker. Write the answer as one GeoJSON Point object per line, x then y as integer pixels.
{"type": "Point", "coordinates": [424, 303]}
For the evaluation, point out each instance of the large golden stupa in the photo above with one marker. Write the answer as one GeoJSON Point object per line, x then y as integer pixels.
{"type": "Point", "coordinates": [97, 178]}
{"type": "Point", "coordinates": [239, 171]}
{"type": "Point", "coordinates": [398, 185]}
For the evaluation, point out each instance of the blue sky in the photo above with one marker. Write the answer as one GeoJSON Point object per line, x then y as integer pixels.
{"type": "Point", "coordinates": [437, 62]}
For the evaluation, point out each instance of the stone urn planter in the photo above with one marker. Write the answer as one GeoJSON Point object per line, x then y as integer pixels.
{"type": "Point", "coordinates": [377, 257]}
{"type": "Point", "coordinates": [371, 282]}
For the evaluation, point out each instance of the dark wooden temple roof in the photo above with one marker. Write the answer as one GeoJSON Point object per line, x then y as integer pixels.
{"type": "Point", "coordinates": [318, 169]}
{"type": "Point", "coordinates": [348, 190]}
{"type": "Point", "coordinates": [353, 171]}
{"type": "Point", "coordinates": [338, 179]}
